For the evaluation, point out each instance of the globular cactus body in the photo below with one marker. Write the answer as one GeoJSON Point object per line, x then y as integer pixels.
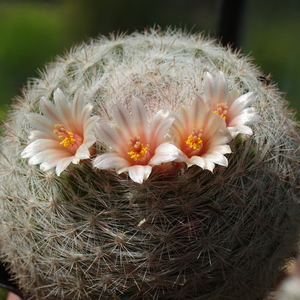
{"type": "Point", "coordinates": [184, 234]}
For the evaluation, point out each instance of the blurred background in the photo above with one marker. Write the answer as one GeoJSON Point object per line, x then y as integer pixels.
{"type": "Point", "coordinates": [34, 32]}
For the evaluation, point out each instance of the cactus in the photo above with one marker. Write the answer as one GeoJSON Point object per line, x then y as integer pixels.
{"type": "Point", "coordinates": [289, 289]}
{"type": "Point", "coordinates": [186, 233]}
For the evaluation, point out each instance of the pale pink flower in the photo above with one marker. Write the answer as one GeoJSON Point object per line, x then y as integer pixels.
{"type": "Point", "coordinates": [233, 109]}
{"type": "Point", "coordinates": [63, 132]}
{"type": "Point", "coordinates": [133, 141]}
{"type": "Point", "coordinates": [201, 136]}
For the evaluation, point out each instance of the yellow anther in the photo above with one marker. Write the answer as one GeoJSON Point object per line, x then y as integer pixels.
{"type": "Point", "coordinates": [194, 140]}
{"type": "Point", "coordinates": [69, 138]}
{"type": "Point", "coordinates": [221, 109]}
{"type": "Point", "coordinates": [137, 150]}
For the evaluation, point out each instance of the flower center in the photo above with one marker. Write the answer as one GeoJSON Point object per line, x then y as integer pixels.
{"type": "Point", "coordinates": [137, 150]}
{"type": "Point", "coordinates": [221, 109]}
{"type": "Point", "coordinates": [70, 139]}
{"type": "Point", "coordinates": [194, 140]}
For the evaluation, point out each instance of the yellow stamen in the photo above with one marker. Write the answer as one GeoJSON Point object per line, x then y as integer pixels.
{"type": "Point", "coordinates": [222, 109]}
{"type": "Point", "coordinates": [137, 150]}
{"type": "Point", "coordinates": [194, 140]}
{"type": "Point", "coordinates": [69, 138]}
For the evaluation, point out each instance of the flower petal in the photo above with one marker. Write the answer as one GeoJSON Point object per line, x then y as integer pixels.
{"type": "Point", "coordinates": [45, 155]}
{"type": "Point", "coordinates": [79, 124]}
{"type": "Point", "coordinates": [52, 162]}
{"type": "Point", "coordinates": [202, 162]}
{"type": "Point", "coordinates": [160, 125]}
{"type": "Point", "coordinates": [223, 149]}
{"type": "Point", "coordinates": [234, 131]}
{"type": "Point", "coordinates": [78, 104]}
{"type": "Point", "coordinates": [36, 134]}
{"type": "Point", "coordinates": [221, 137]}
{"type": "Point", "coordinates": [139, 115]}
{"type": "Point", "coordinates": [166, 153]}
{"type": "Point", "coordinates": [62, 133]}
{"type": "Point", "coordinates": [38, 146]}
{"type": "Point", "coordinates": [83, 151]}
{"type": "Point", "coordinates": [49, 111]}
{"type": "Point", "coordinates": [64, 163]}
{"type": "Point", "coordinates": [63, 108]}
{"type": "Point", "coordinates": [212, 125]}
{"type": "Point", "coordinates": [217, 158]}
{"type": "Point", "coordinates": [89, 125]}
{"type": "Point", "coordinates": [109, 136]}
{"type": "Point", "coordinates": [243, 101]}
{"type": "Point", "coordinates": [41, 122]}
{"type": "Point", "coordinates": [124, 120]}
{"type": "Point", "coordinates": [245, 119]}
{"type": "Point", "coordinates": [139, 173]}
{"type": "Point", "coordinates": [209, 84]}
{"type": "Point", "coordinates": [110, 161]}
{"type": "Point", "coordinates": [221, 88]}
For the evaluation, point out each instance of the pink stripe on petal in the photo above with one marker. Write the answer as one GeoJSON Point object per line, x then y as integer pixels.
{"type": "Point", "coordinates": [221, 88]}
{"type": "Point", "coordinates": [78, 104]}
{"type": "Point", "coordinates": [49, 111]}
{"type": "Point", "coordinates": [108, 135]}
{"type": "Point", "coordinates": [209, 88]}
{"type": "Point", "coordinates": [80, 123]}
{"type": "Point", "coordinates": [41, 123]}
{"type": "Point", "coordinates": [184, 120]}
{"type": "Point", "coordinates": [212, 124]}
{"type": "Point", "coordinates": [195, 112]}
{"type": "Point", "coordinates": [63, 108]}
{"type": "Point", "coordinates": [160, 125]}
{"type": "Point", "coordinates": [139, 115]}
{"type": "Point", "coordinates": [124, 120]}
{"type": "Point", "coordinates": [179, 131]}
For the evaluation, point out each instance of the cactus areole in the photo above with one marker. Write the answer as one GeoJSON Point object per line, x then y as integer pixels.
{"type": "Point", "coordinates": [150, 166]}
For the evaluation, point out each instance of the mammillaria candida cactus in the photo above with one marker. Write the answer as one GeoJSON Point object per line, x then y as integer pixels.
{"type": "Point", "coordinates": [149, 166]}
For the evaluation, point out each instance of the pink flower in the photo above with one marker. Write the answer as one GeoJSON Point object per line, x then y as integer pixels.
{"type": "Point", "coordinates": [201, 136]}
{"type": "Point", "coordinates": [63, 132]}
{"type": "Point", "coordinates": [233, 109]}
{"type": "Point", "coordinates": [133, 141]}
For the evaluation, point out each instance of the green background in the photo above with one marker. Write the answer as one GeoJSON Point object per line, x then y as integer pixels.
{"type": "Point", "coordinates": [33, 33]}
